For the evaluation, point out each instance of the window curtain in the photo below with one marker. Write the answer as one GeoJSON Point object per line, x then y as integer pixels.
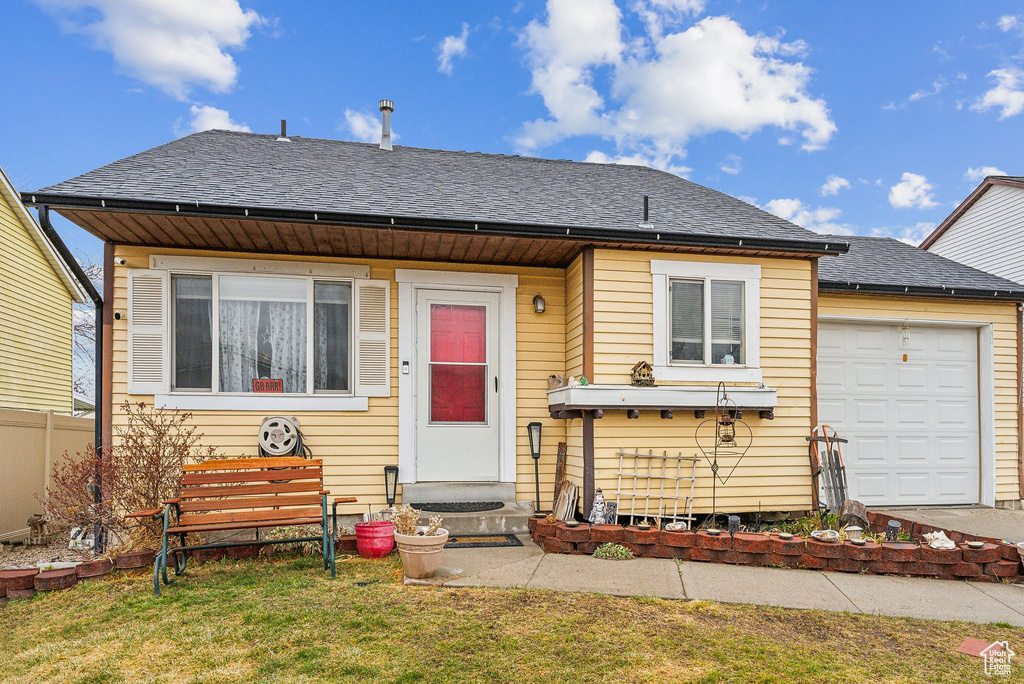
{"type": "Point", "coordinates": [239, 327]}
{"type": "Point", "coordinates": [287, 331]}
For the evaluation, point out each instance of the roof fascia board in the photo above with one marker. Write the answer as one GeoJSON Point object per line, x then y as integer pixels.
{"type": "Point", "coordinates": [801, 247]}
{"type": "Point", "coordinates": [44, 244]}
{"type": "Point", "coordinates": [920, 291]}
{"type": "Point", "coordinates": [967, 204]}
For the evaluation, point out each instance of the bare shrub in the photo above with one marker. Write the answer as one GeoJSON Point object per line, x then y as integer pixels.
{"type": "Point", "coordinates": [138, 472]}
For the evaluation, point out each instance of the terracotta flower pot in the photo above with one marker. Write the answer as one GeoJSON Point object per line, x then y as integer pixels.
{"type": "Point", "coordinates": [421, 554]}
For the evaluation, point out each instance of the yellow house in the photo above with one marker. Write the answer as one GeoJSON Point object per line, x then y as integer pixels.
{"type": "Point", "coordinates": [409, 306]}
{"type": "Point", "coordinates": [37, 288]}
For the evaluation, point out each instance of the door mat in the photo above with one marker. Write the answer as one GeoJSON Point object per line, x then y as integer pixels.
{"type": "Point", "coordinates": [458, 507]}
{"type": "Point", "coordinates": [481, 541]}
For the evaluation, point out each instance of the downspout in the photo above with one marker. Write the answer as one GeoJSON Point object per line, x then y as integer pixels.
{"type": "Point", "coordinates": [97, 300]}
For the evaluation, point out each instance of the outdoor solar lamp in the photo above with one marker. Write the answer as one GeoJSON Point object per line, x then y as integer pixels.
{"type": "Point", "coordinates": [892, 530]}
{"type": "Point", "coordinates": [534, 431]}
{"type": "Point", "coordinates": [734, 524]}
{"type": "Point", "coordinates": [390, 483]}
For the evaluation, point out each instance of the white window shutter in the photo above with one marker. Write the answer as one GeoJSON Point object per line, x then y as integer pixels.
{"type": "Point", "coordinates": [373, 338]}
{"type": "Point", "coordinates": [147, 332]}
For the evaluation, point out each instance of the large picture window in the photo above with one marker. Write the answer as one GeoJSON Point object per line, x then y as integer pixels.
{"type": "Point", "coordinates": [293, 331]}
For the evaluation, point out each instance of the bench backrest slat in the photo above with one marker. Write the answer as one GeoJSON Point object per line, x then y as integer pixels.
{"type": "Point", "coordinates": [249, 516]}
{"type": "Point", "coordinates": [231, 477]}
{"type": "Point", "coordinates": [232, 491]}
{"type": "Point", "coordinates": [251, 463]}
{"type": "Point", "coordinates": [250, 502]}
{"type": "Point", "coordinates": [211, 491]}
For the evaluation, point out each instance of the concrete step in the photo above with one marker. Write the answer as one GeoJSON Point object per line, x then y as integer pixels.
{"type": "Point", "coordinates": [457, 492]}
{"type": "Point", "coordinates": [510, 519]}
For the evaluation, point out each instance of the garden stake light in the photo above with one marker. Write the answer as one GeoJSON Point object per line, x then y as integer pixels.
{"type": "Point", "coordinates": [534, 431]}
{"type": "Point", "coordinates": [390, 484]}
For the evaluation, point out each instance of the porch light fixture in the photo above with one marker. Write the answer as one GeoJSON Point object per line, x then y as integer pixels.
{"type": "Point", "coordinates": [538, 304]}
{"type": "Point", "coordinates": [534, 431]}
{"type": "Point", "coordinates": [390, 483]}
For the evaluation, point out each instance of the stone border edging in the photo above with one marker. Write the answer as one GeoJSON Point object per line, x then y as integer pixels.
{"type": "Point", "coordinates": [990, 563]}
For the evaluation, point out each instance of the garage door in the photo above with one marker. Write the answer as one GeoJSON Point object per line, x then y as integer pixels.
{"type": "Point", "coordinates": [913, 424]}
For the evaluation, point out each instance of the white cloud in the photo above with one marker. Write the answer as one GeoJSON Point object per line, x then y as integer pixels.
{"type": "Point", "coordinates": [833, 184]}
{"type": "Point", "coordinates": [663, 90]}
{"type": "Point", "coordinates": [913, 190]}
{"type": "Point", "coordinates": [660, 163]}
{"type": "Point", "coordinates": [978, 174]}
{"type": "Point", "coordinates": [732, 164]}
{"type": "Point", "coordinates": [819, 219]}
{"type": "Point", "coordinates": [937, 86]}
{"type": "Point", "coordinates": [365, 127]}
{"type": "Point", "coordinates": [173, 46]}
{"type": "Point", "coordinates": [657, 14]}
{"type": "Point", "coordinates": [1009, 22]}
{"type": "Point", "coordinates": [912, 235]}
{"type": "Point", "coordinates": [1007, 95]}
{"type": "Point", "coordinates": [450, 48]}
{"type": "Point", "coordinates": [205, 118]}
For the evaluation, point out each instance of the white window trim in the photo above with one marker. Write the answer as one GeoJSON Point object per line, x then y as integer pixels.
{"type": "Point", "coordinates": [662, 272]}
{"type": "Point", "coordinates": [268, 403]}
{"type": "Point", "coordinates": [197, 266]}
{"type": "Point", "coordinates": [411, 280]}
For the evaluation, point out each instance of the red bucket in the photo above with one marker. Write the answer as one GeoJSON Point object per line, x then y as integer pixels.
{"type": "Point", "coordinates": [375, 539]}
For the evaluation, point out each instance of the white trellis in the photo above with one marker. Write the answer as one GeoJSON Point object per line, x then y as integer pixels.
{"type": "Point", "coordinates": [658, 483]}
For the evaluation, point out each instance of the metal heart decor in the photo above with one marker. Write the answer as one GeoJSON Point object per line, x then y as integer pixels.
{"type": "Point", "coordinates": [723, 437]}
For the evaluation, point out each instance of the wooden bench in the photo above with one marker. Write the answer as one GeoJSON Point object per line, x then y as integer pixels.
{"type": "Point", "coordinates": [240, 494]}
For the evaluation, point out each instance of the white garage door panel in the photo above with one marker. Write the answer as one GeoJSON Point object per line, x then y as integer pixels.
{"type": "Point", "coordinates": [913, 426]}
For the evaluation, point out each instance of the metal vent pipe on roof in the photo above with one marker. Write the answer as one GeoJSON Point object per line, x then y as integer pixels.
{"type": "Point", "coordinates": [386, 107]}
{"type": "Point", "coordinates": [646, 224]}
{"type": "Point", "coordinates": [284, 131]}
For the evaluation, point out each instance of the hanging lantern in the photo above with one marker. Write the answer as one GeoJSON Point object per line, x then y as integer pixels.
{"type": "Point", "coordinates": [726, 429]}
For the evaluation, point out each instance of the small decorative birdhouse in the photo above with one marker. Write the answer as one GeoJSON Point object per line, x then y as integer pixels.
{"type": "Point", "coordinates": [642, 375]}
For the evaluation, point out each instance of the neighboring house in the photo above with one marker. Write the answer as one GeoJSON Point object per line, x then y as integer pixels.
{"type": "Point", "coordinates": [397, 297]}
{"type": "Point", "coordinates": [985, 231]}
{"type": "Point", "coordinates": [37, 290]}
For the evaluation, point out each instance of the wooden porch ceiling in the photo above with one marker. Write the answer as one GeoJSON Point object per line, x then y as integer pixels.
{"type": "Point", "coordinates": [321, 239]}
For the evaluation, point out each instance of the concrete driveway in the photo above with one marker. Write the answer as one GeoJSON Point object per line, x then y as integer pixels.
{"type": "Point", "coordinates": [1000, 523]}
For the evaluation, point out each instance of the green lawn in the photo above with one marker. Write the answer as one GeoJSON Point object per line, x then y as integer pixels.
{"type": "Point", "coordinates": [285, 620]}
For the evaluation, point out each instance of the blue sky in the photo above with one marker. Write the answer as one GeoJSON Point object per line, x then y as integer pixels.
{"type": "Point", "coordinates": [866, 118]}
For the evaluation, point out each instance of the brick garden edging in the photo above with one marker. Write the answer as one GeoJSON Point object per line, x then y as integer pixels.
{"type": "Point", "coordinates": [25, 582]}
{"type": "Point", "coordinates": [992, 562]}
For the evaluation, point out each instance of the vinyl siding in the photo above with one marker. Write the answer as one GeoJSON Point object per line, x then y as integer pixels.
{"type": "Point", "coordinates": [574, 367]}
{"type": "Point", "coordinates": [774, 474]}
{"type": "Point", "coordinates": [1002, 316]}
{"type": "Point", "coordinates": [357, 445]}
{"type": "Point", "coordinates": [35, 323]}
{"type": "Point", "coordinates": [988, 235]}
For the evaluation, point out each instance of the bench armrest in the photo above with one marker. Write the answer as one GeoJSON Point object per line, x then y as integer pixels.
{"type": "Point", "coordinates": [144, 514]}
{"type": "Point", "coordinates": [172, 501]}
{"type": "Point", "coordinates": [345, 499]}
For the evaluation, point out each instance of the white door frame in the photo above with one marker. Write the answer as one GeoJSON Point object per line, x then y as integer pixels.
{"type": "Point", "coordinates": [410, 280]}
{"type": "Point", "coordinates": [986, 387]}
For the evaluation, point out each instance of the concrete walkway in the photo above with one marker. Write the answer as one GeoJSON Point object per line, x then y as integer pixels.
{"type": "Point", "coordinates": [529, 567]}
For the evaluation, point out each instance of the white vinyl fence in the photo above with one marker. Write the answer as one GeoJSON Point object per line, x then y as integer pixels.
{"type": "Point", "coordinates": [30, 442]}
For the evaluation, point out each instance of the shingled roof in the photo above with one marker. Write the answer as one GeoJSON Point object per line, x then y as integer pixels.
{"type": "Point", "coordinates": [888, 266]}
{"type": "Point", "coordinates": [225, 168]}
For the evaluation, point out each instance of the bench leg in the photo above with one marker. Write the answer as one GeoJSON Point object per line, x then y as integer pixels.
{"type": "Point", "coordinates": [325, 551]}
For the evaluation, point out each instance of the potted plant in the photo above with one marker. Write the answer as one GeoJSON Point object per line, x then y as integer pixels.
{"type": "Point", "coordinates": [419, 546]}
